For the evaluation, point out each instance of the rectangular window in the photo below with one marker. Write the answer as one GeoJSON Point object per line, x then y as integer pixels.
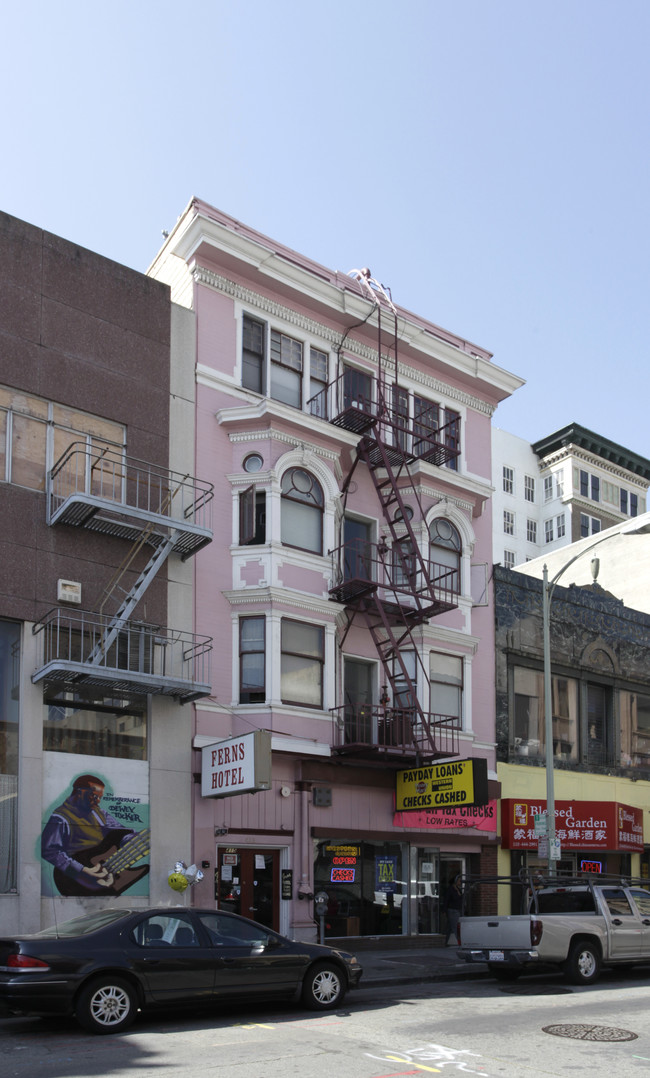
{"type": "Point", "coordinates": [548, 488]}
{"type": "Point", "coordinates": [531, 531]}
{"type": "Point", "coordinates": [286, 369]}
{"type": "Point", "coordinates": [599, 726]}
{"type": "Point", "coordinates": [584, 484]}
{"type": "Point", "coordinates": [400, 416]}
{"type": "Point", "coordinates": [548, 530]}
{"type": "Point", "coordinates": [623, 501]}
{"type": "Point", "coordinates": [318, 382]}
{"type": "Point", "coordinates": [528, 720]}
{"type": "Point", "coordinates": [509, 559]}
{"type": "Point", "coordinates": [634, 505]}
{"type": "Point", "coordinates": [426, 420]}
{"type": "Point", "coordinates": [452, 435]}
{"type": "Point", "coordinates": [529, 488]}
{"type": "Point", "coordinates": [79, 729]}
{"type": "Point", "coordinates": [302, 663]}
{"type": "Point", "coordinates": [508, 522]}
{"type": "Point", "coordinates": [584, 525]}
{"type": "Point", "coordinates": [252, 517]}
{"type": "Point", "coordinates": [403, 693]}
{"type": "Point", "coordinates": [252, 366]}
{"type": "Point", "coordinates": [559, 482]}
{"type": "Point", "coordinates": [635, 729]}
{"type": "Point", "coordinates": [595, 488]}
{"type": "Point", "coordinates": [508, 480]}
{"type": "Point", "coordinates": [561, 526]}
{"type": "Point", "coordinates": [252, 681]}
{"type": "Point", "coordinates": [446, 685]}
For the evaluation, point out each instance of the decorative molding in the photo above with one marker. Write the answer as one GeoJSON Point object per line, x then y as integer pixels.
{"type": "Point", "coordinates": [335, 339]}
{"type": "Point", "coordinates": [283, 597]}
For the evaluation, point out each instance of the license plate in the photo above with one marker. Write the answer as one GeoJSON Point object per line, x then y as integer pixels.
{"type": "Point", "coordinates": [496, 956]}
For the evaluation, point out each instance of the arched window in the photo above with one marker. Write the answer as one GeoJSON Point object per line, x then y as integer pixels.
{"type": "Point", "coordinates": [302, 510]}
{"type": "Point", "coordinates": [444, 553]}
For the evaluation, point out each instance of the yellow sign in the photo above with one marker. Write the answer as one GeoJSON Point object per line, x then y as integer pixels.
{"type": "Point", "coordinates": [455, 782]}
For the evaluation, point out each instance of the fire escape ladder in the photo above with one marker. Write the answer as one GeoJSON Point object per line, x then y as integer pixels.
{"type": "Point", "coordinates": [406, 706]}
{"type": "Point", "coordinates": [117, 621]}
{"type": "Point", "coordinates": [413, 566]}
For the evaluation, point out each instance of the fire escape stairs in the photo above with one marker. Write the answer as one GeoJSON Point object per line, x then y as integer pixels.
{"type": "Point", "coordinates": [408, 596]}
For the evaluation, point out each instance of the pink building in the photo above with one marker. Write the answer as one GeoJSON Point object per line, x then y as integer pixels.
{"type": "Point", "coordinates": [347, 588]}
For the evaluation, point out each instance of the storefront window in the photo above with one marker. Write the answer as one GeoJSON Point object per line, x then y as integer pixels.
{"type": "Point", "coordinates": [367, 887]}
{"type": "Point", "coordinates": [10, 695]}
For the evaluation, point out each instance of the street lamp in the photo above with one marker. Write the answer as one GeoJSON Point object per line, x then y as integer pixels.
{"type": "Point", "coordinates": [548, 587]}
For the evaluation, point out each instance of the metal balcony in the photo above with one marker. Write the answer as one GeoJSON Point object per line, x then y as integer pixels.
{"type": "Point", "coordinates": [411, 589]}
{"type": "Point", "coordinates": [109, 492]}
{"type": "Point", "coordinates": [361, 403]}
{"type": "Point", "coordinates": [81, 653]}
{"type": "Point", "coordinates": [393, 735]}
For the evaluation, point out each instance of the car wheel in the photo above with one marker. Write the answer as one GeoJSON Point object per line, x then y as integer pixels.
{"type": "Point", "coordinates": [106, 1005]}
{"type": "Point", "coordinates": [503, 973]}
{"type": "Point", "coordinates": [583, 964]}
{"type": "Point", "coordinates": [323, 987]}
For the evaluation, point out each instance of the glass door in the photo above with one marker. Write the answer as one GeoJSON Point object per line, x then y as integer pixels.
{"type": "Point", "coordinates": [248, 883]}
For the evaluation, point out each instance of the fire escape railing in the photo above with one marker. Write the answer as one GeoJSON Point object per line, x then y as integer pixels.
{"type": "Point", "coordinates": [391, 731]}
{"type": "Point", "coordinates": [140, 659]}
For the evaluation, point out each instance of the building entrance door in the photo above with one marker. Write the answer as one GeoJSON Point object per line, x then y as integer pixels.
{"type": "Point", "coordinates": [248, 883]}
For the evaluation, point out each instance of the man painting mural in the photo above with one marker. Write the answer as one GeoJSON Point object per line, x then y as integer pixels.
{"type": "Point", "coordinates": [90, 852]}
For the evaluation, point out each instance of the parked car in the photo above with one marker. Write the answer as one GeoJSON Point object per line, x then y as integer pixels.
{"type": "Point", "coordinates": [577, 924]}
{"type": "Point", "coordinates": [104, 967]}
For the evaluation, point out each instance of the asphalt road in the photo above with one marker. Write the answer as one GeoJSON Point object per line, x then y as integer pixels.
{"type": "Point", "coordinates": [539, 1027]}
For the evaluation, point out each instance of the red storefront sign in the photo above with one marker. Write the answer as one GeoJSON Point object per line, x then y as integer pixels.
{"type": "Point", "coordinates": [480, 817]}
{"type": "Point", "coordinates": [579, 825]}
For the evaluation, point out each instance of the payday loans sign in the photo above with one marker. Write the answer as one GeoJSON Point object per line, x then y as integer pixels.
{"type": "Point", "coordinates": [452, 784]}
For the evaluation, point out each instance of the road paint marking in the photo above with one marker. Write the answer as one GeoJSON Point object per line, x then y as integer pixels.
{"type": "Point", "coordinates": [418, 1066]}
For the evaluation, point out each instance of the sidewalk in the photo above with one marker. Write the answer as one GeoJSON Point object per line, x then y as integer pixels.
{"type": "Point", "coordinates": [411, 965]}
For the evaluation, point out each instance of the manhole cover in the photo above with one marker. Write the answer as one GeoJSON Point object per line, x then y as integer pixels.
{"type": "Point", "coordinates": [580, 1032]}
{"type": "Point", "coordinates": [534, 990]}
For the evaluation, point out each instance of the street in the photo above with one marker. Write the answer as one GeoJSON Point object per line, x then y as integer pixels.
{"type": "Point", "coordinates": [462, 1027]}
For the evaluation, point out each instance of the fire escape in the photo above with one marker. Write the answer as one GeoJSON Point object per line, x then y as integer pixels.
{"type": "Point", "coordinates": [391, 589]}
{"type": "Point", "coordinates": [94, 655]}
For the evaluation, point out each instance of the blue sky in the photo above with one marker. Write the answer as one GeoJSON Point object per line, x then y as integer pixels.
{"type": "Point", "coordinates": [487, 160]}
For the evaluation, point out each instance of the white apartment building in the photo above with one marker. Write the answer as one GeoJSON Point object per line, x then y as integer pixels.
{"type": "Point", "coordinates": [564, 487]}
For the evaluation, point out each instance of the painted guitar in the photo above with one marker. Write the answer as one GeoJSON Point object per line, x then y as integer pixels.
{"type": "Point", "coordinates": [114, 858]}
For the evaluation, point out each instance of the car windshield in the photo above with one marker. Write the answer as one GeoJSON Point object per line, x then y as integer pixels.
{"type": "Point", "coordinates": [81, 926]}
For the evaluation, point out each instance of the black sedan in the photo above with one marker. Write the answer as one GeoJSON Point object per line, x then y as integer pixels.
{"type": "Point", "coordinates": [104, 967]}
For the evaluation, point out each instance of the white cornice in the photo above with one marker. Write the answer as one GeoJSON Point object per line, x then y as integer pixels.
{"type": "Point", "coordinates": [281, 597]}
{"type": "Point", "coordinates": [444, 352]}
{"type": "Point", "coordinates": [571, 452]}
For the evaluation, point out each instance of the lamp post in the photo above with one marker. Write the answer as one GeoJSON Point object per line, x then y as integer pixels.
{"type": "Point", "coordinates": [548, 586]}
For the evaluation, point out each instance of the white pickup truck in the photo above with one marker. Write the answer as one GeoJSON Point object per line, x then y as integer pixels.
{"type": "Point", "coordinates": [576, 924]}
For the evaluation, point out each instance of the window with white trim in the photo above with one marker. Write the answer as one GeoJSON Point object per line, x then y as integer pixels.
{"type": "Point", "coordinates": [531, 530]}
{"type": "Point", "coordinates": [445, 551]}
{"type": "Point", "coordinates": [529, 488]}
{"type": "Point", "coordinates": [252, 683]}
{"type": "Point", "coordinates": [446, 685]}
{"type": "Point", "coordinates": [277, 364]}
{"type": "Point", "coordinates": [548, 488]}
{"type": "Point", "coordinates": [508, 479]}
{"type": "Point", "coordinates": [548, 530]}
{"type": "Point", "coordinates": [561, 526]}
{"type": "Point", "coordinates": [508, 522]}
{"type": "Point", "coordinates": [302, 510]}
{"type": "Point", "coordinates": [559, 483]}
{"type": "Point", "coordinates": [509, 559]}
{"type": "Point", "coordinates": [302, 663]}
{"type": "Point", "coordinates": [588, 525]}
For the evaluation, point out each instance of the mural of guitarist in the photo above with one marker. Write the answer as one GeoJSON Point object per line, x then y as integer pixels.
{"type": "Point", "coordinates": [90, 852]}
